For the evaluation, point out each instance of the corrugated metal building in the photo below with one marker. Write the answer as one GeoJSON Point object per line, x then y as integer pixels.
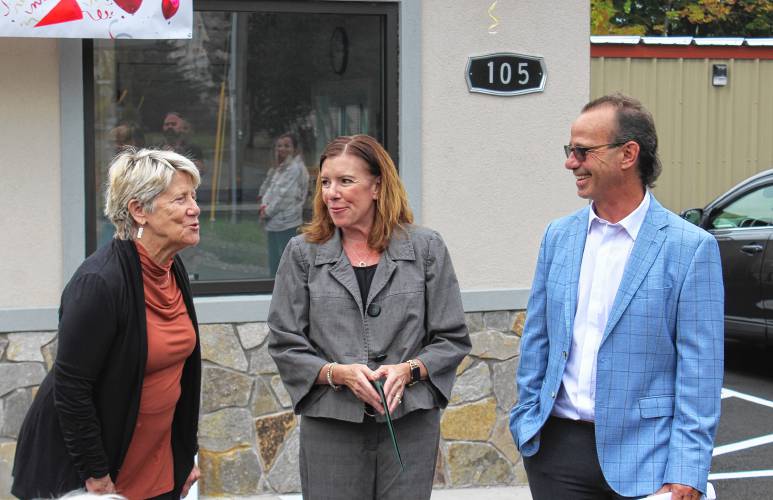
{"type": "Point", "coordinates": [712, 135]}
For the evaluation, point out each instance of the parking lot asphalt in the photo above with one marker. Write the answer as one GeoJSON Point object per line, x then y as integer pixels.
{"type": "Point", "coordinates": [742, 468]}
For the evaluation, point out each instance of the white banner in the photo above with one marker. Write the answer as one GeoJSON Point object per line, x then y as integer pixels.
{"type": "Point", "coordinates": [97, 18]}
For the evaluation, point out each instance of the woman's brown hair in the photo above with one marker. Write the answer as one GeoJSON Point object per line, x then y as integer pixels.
{"type": "Point", "coordinates": [392, 208]}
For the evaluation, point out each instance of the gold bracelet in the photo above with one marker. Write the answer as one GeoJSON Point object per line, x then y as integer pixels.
{"type": "Point", "coordinates": [330, 377]}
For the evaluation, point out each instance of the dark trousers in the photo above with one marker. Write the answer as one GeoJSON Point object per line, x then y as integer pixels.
{"type": "Point", "coordinates": [566, 466]}
{"type": "Point", "coordinates": [356, 461]}
{"type": "Point", "coordinates": [277, 241]}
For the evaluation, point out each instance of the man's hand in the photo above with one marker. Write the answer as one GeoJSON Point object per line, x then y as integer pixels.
{"type": "Point", "coordinates": [192, 478]}
{"type": "Point", "coordinates": [100, 486]}
{"type": "Point", "coordinates": [680, 491]}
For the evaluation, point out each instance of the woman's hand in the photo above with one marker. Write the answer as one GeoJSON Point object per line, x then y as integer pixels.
{"type": "Point", "coordinates": [397, 376]}
{"type": "Point", "coordinates": [192, 478]}
{"type": "Point", "coordinates": [100, 486]}
{"type": "Point", "coordinates": [358, 379]}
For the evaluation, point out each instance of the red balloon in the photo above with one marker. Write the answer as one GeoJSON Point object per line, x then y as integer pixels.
{"type": "Point", "coordinates": [169, 7]}
{"type": "Point", "coordinates": [129, 6]}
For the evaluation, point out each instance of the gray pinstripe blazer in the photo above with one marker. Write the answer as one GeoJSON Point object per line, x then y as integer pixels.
{"type": "Point", "coordinates": [317, 316]}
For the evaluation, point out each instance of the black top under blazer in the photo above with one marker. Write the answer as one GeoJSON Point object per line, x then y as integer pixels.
{"type": "Point", "coordinates": [413, 310]}
{"type": "Point", "coordinates": [82, 419]}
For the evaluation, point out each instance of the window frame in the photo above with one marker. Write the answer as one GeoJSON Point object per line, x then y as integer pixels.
{"type": "Point", "coordinates": [717, 212]}
{"type": "Point", "coordinates": [389, 97]}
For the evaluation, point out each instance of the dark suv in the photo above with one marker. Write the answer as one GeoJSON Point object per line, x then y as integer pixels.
{"type": "Point", "coordinates": [742, 222]}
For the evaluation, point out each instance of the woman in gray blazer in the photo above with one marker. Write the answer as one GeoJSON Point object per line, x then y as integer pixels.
{"type": "Point", "coordinates": [362, 296]}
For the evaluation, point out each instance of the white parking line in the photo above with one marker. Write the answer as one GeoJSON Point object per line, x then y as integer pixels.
{"type": "Point", "coordinates": [749, 443]}
{"type": "Point", "coordinates": [742, 445]}
{"type": "Point", "coordinates": [740, 475]}
{"type": "Point", "coordinates": [729, 393]}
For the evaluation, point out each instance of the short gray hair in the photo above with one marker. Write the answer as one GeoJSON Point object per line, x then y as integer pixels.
{"type": "Point", "coordinates": [141, 175]}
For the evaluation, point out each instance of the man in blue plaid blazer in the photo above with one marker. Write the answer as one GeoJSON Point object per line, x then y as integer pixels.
{"type": "Point", "coordinates": [622, 351]}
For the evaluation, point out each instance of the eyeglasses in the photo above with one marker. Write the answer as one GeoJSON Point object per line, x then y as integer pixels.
{"type": "Point", "coordinates": [581, 152]}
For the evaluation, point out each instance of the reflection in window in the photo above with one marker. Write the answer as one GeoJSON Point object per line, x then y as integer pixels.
{"type": "Point", "coordinates": [253, 99]}
{"type": "Point", "coordinates": [754, 209]}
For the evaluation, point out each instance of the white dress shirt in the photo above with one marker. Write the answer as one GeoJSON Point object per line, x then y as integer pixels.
{"type": "Point", "coordinates": [606, 252]}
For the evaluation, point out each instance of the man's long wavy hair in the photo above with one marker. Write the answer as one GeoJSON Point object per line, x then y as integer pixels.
{"type": "Point", "coordinates": [392, 210]}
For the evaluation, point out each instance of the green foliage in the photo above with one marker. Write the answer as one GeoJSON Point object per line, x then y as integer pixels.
{"type": "Point", "coordinates": [738, 18]}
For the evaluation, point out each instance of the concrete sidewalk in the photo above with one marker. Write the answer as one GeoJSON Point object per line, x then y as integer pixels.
{"type": "Point", "coordinates": [499, 493]}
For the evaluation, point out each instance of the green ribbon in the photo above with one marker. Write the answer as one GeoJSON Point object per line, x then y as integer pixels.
{"type": "Point", "coordinates": [380, 389]}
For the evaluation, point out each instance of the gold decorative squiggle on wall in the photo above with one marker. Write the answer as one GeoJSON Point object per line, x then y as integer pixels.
{"type": "Point", "coordinates": [493, 17]}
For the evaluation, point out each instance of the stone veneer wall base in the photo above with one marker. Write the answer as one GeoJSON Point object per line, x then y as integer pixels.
{"type": "Point", "coordinates": [248, 435]}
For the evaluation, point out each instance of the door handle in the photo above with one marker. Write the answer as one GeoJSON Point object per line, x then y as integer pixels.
{"type": "Point", "coordinates": [752, 248]}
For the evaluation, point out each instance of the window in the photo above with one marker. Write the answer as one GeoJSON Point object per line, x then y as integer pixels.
{"type": "Point", "coordinates": [253, 99]}
{"type": "Point", "coordinates": [753, 209]}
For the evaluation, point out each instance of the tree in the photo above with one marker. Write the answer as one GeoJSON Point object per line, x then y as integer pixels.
{"type": "Point", "coordinates": [740, 18]}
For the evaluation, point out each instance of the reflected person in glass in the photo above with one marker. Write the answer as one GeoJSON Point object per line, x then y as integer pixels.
{"type": "Point", "coordinates": [363, 295]}
{"type": "Point", "coordinates": [118, 412]}
{"type": "Point", "coordinates": [177, 131]}
{"type": "Point", "coordinates": [126, 133]}
{"type": "Point", "coordinates": [282, 196]}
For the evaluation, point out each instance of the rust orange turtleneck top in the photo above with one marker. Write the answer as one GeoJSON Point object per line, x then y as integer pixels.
{"type": "Point", "coordinates": [148, 468]}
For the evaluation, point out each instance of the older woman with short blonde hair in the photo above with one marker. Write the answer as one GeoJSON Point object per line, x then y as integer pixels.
{"type": "Point", "coordinates": [141, 176]}
{"type": "Point", "coordinates": [119, 410]}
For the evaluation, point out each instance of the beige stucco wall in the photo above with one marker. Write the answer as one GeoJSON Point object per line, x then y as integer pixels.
{"type": "Point", "coordinates": [493, 172]}
{"type": "Point", "coordinates": [30, 224]}
{"type": "Point", "coordinates": [492, 167]}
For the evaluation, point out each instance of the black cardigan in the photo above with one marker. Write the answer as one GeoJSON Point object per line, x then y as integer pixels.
{"type": "Point", "coordinates": [81, 422]}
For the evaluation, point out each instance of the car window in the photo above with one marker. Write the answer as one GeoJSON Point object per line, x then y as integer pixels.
{"type": "Point", "coordinates": [754, 209]}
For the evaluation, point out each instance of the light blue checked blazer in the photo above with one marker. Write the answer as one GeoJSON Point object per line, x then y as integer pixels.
{"type": "Point", "coordinates": [660, 363]}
